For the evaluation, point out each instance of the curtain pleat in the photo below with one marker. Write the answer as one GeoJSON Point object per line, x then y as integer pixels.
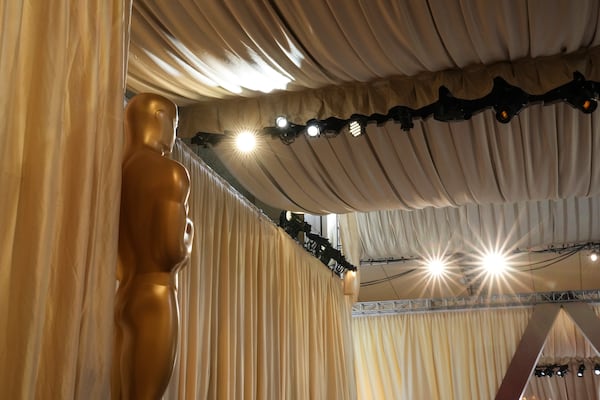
{"type": "Point", "coordinates": [62, 68]}
{"type": "Point", "coordinates": [261, 318]}
{"type": "Point", "coordinates": [464, 355]}
{"type": "Point", "coordinates": [526, 224]}
{"type": "Point", "coordinates": [444, 356]}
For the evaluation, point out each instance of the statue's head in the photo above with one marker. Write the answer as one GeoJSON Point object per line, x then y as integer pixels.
{"type": "Point", "coordinates": [151, 120]}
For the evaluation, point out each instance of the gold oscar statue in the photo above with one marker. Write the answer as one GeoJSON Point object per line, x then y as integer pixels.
{"type": "Point", "coordinates": [155, 240]}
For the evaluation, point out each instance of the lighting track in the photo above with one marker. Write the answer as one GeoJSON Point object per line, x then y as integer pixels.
{"type": "Point", "coordinates": [506, 100]}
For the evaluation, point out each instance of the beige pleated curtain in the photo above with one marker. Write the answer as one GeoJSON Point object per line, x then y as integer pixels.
{"type": "Point", "coordinates": [460, 355]}
{"type": "Point", "coordinates": [62, 72]}
{"type": "Point", "coordinates": [261, 318]}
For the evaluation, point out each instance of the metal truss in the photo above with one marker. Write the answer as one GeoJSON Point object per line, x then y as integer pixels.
{"type": "Point", "coordinates": [391, 307]}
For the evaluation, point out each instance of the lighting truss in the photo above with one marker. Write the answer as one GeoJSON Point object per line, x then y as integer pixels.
{"type": "Point", "coordinates": [407, 306]}
{"type": "Point", "coordinates": [318, 246]}
{"type": "Point", "coordinates": [506, 100]}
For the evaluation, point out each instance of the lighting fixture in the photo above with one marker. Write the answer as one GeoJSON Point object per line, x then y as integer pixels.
{"type": "Point", "coordinates": [508, 100]}
{"type": "Point", "coordinates": [581, 94]}
{"type": "Point", "coordinates": [318, 246]}
{"type": "Point", "coordinates": [505, 99]}
{"type": "Point", "coordinates": [281, 122]}
{"type": "Point", "coordinates": [436, 266]}
{"type": "Point", "coordinates": [551, 370]}
{"type": "Point", "coordinates": [313, 129]}
{"type": "Point", "coordinates": [245, 141]}
{"type": "Point", "coordinates": [562, 370]}
{"type": "Point", "coordinates": [594, 256]}
{"type": "Point", "coordinates": [596, 369]}
{"type": "Point", "coordinates": [494, 263]}
{"type": "Point", "coordinates": [355, 128]}
{"type": "Point", "coordinates": [580, 370]}
{"type": "Point", "coordinates": [288, 215]}
{"type": "Point", "coordinates": [402, 115]}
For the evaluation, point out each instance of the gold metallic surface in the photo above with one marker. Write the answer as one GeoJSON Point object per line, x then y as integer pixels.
{"type": "Point", "coordinates": [155, 240]}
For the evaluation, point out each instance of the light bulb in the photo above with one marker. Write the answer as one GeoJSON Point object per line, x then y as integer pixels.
{"type": "Point", "coordinates": [245, 141]}
{"type": "Point", "coordinates": [281, 122]}
{"type": "Point", "coordinates": [494, 263]}
{"type": "Point", "coordinates": [313, 130]}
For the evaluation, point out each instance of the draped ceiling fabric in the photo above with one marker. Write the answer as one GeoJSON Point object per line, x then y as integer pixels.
{"type": "Point", "coordinates": [62, 70]}
{"type": "Point", "coordinates": [239, 65]}
{"type": "Point", "coordinates": [261, 318]}
{"type": "Point", "coordinates": [524, 225]}
{"type": "Point", "coordinates": [464, 355]}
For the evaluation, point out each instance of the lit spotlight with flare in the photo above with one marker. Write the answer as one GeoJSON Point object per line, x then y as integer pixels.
{"type": "Point", "coordinates": [245, 142]}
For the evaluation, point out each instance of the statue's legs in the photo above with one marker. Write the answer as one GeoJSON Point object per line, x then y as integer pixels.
{"type": "Point", "coordinates": [149, 325]}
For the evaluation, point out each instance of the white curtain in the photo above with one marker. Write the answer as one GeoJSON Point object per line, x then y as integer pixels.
{"type": "Point", "coordinates": [402, 233]}
{"type": "Point", "coordinates": [437, 356]}
{"type": "Point", "coordinates": [223, 49]}
{"type": "Point", "coordinates": [312, 59]}
{"type": "Point", "coordinates": [62, 68]}
{"type": "Point", "coordinates": [436, 164]}
{"type": "Point", "coordinates": [464, 355]}
{"type": "Point", "coordinates": [261, 318]}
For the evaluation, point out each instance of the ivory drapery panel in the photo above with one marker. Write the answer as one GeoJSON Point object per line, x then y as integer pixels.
{"type": "Point", "coordinates": [312, 59]}
{"type": "Point", "coordinates": [403, 233]}
{"type": "Point", "coordinates": [437, 356]}
{"type": "Point", "coordinates": [462, 355]}
{"type": "Point", "coordinates": [261, 318]}
{"type": "Point", "coordinates": [546, 153]}
{"type": "Point", "coordinates": [248, 49]}
{"type": "Point", "coordinates": [62, 68]}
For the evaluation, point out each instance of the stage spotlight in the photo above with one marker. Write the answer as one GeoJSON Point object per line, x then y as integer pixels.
{"type": "Point", "coordinates": [404, 116]}
{"type": "Point", "coordinates": [507, 100]}
{"type": "Point", "coordinates": [313, 129]}
{"type": "Point", "coordinates": [245, 141]}
{"type": "Point", "coordinates": [593, 256]}
{"type": "Point", "coordinates": [581, 94]}
{"type": "Point", "coordinates": [562, 370]}
{"type": "Point", "coordinates": [356, 129]}
{"type": "Point", "coordinates": [436, 266]}
{"type": "Point", "coordinates": [505, 113]}
{"type": "Point", "coordinates": [597, 369]}
{"type": "Point", "coordinates": [580, 370]}
{"type": "Point", "coordinates": [503, 116]}
{"type": "Point", "coordinates": [494, 263]}
{"type": "Point", "coordinates": [281, 122]}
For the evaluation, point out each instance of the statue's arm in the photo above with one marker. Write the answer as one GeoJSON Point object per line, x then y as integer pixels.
{"type": "Point", "coordinates": [172, 223]}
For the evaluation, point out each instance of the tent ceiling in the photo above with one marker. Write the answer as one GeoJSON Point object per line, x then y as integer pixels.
{"type": "Point", "coordinates": [239, 64]}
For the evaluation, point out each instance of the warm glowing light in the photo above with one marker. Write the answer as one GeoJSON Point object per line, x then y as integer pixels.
{"type": "Point", "coordinates": [245, 142]}
{"type": "Point", "coordinates": [281, 122]}
{"type": "Point", "coordinates": [313, 130]}
{"type": "Point", "coordinates": [355, 128]}
{"type": "Point", "coordinates": [494, 263]}
{"type": "Point", "coordinates": [436, 266]}
{"type": "Point", "coordinates": [594, 256]}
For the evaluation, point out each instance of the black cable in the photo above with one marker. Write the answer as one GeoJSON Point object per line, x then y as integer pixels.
{"type": "Point", "coordinates": [387, 279]}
